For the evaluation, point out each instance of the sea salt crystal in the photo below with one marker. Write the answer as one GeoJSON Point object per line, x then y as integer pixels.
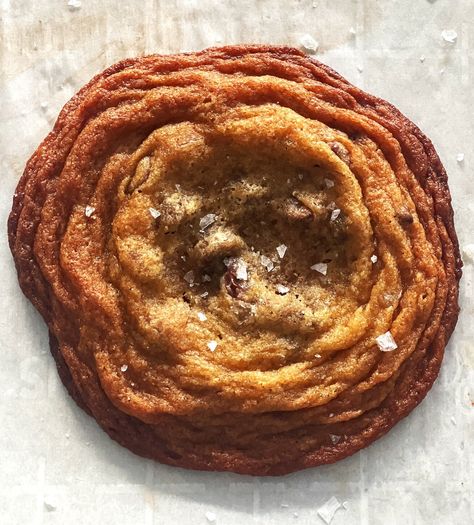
{"type": "Point", "coordinates": [124, 368]}
{"type": "Point", "coordinates": [329, 183]}
{"type": "Point", "coordinates": [202, 316]}
{"type": "Point", "coordinates": [189, 276]}
{"type": "Point", "coordinates": [204, 294]}
{"type": "Point", "coordinates": [49, 505]}
{"type": "Point", "coordinates": [282, 290]}
{"type": "Point", "coordinates": [212, 345]}
{"type": "Point", "coordinates": [422, 58]}
{"type": "Point", "coordinates": [460, 157]}
{"type": "Point", "coordinates": [268, 263]}
{"type": "Point", "coordinates": [89, 211]}
{"type": "Point", "coordinates": [386, 342]}
{"type": "Point", "coordinates": [44, 105]}
{"type": "Point", "coordinates": [335, 214]}
{"type": "Point", "coordinates": [374, 259]}
{"type": "Point", "coordinates": [468, 252]}
{"type": "Point", "coordinates": [206, 278]}
{"type": "Point", "coordinates": [449, 35]}
{"type": "Point", "coordinates": [241, 270]}
{"type": "Point", "coordinates": [320, 267]}
{"type": "Point", "coordinates": [300, 176]}
{"type": "Point", "coordinates": [281, 250]}
{"type": "Point", "coordinates": [74, 4]}
{"type": "Point", "coordinates": [154, 213]}
{"type": "Point", "coordinates": [207, 220]}
{"type": "Point", "coordinates": [326, 512]}
{"type": "Point", "coordinates": [309, 44]}
{"type": "Point", "coordinates": [352, 31]}
{"type": "Point", "coordinates": [334, 438]}
{"type": "Point", "coordinates": [211, 517]}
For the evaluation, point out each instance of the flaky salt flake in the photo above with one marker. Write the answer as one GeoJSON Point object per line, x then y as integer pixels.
{"type": "Point", "coordinates": [317, 356]}
{"type": "Point", "coordinates": [202, 316]}
{"type": "Point", "coordinates": [206, 278]}
{"type": "Point", "coordinates": [281, 250]}
{"type": "Point", "coordinates": [154, 212]}
{"type": "Point", "coordinates": [43, 105]}
{"type": "Point", "coordinates": [49, 505]}
{"type": "Point", "coordinates": [326, 512]}
{"type": "Point", "coordinates": [204, 294]}
{"type": "Point", "coordinates": [309, 44]}
{"type": "Point", "coordinates": [329, 183]}
{"type": "Point", "coordinates": [211, 516]}
{"type": "Point", "coordinates": [89, 211]}
{"type": "Point", "coordinates": [267, 262]}
{"type": "Point", "coordinates": [422, 58]}
{"type": "Point", "coordinates": [345, 505]}
{"type": "Point", "coordinates": [460, 157]}
{"type": "Point", "coordinates": [386, 342]}
{"type": "Point", "coordinates": [295, 514]}
{"type": "Point", "coordinates": [124, 368]}
{"type": "Point", "coordinates": [335, 214]}
{"type": "Point", "coordinates": [300, 176]}
{"type": "Point", "coordinates": [241, 270]}
{"type": "Point", "coordinates": [207, 220]}
{"type": "Point", "coordinates": [360, 68]}
{"type": "Point", "coordinates": [212, 345]}
{"type": "Point", "coordinates": [352, 31]}
{"type": "Point", "coordinates": [449, 35]}
{"type": "Point", "coordinates": [453, 421]}
{"type": "Point", "coordinates": [189, 276]}
{"type": "Point", "coordinates": [374, 259]}
{"type": "Point", "coordinates": [74, 5]}
{"type": "Point", "coordinates": [320, 267]}
{"type": "Point", "coordinates": [468, 252]}
{"type": "Point", "coordinates": [282, 290]}
{"type": "Point", "coordinates": [284, 505]}
{"type": "Point", "coordinates": [334, 439]}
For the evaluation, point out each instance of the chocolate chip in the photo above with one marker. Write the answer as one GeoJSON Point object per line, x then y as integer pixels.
{"type": "Point", "coordinates": [405, 219]}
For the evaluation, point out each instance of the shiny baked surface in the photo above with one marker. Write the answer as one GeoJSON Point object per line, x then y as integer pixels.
{"type": "Point", "coordinates": [245, 262]}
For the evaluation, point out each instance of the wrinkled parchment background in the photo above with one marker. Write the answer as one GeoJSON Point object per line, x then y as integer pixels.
{"type": "Point", "coordinates": [56, 466]}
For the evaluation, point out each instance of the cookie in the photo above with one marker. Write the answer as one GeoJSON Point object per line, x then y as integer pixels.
{"type": "Point", "coordinates": [245, 262]}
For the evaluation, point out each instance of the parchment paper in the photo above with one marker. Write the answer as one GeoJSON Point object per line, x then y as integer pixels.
{"type": "Point", "coordinates": [56, 465]}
